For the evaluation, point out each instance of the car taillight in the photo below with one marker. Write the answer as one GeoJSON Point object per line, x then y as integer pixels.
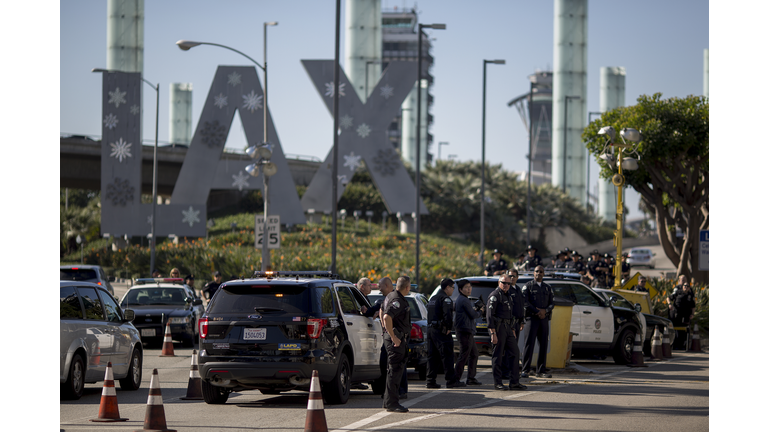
{"type": "Point", "coordinates": [315, 326]}
{"type": "Point", "coordinates": [203, 328]}
{"type": "Point", "coordinates": [416, 332]}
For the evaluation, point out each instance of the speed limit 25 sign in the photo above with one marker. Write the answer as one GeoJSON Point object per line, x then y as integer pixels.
{"type": "Point", "coordinates": [273, 232]}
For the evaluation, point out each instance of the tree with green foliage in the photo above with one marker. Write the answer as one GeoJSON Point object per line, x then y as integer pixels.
{"type": "Point", "coordinates": [673, 168]}
{"type": "Point", "coordinates": [80, 214]}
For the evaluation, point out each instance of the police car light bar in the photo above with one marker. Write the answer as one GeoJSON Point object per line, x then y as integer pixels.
{"type": "Point", "coordinates": [142, 281]}
{"type": "Point", "coordinates": [297, 274]}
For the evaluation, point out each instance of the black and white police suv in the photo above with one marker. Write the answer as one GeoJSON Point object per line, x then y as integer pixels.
{"type": "Point", "coordinates": [270, 332]}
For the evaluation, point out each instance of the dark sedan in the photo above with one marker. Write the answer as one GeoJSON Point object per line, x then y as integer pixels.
{"type": "Point", "coordinates": [159, 301]}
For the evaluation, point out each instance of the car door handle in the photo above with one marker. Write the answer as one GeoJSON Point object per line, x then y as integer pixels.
{"type": "Point", "coordinates": [587, 312]}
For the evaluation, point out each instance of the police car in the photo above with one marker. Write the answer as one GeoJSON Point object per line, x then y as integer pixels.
{"type": "Point", "coordinates": [599, 327]}
{"type": "Point", "coordinates": [270, 332]}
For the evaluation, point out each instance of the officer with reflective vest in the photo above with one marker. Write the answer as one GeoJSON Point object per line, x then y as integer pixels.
{"type": "Point", "coordinates": [440, 342]}
{"type": "Point", "coordinates": [502, 328]}
{"type": "Point", "coordinates": [539, 302]}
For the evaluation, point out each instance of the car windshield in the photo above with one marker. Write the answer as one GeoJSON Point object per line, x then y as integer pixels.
{"type": "Point", "coordinates": [619, 302]}
{"type": "Point", "coordinates": [154, 296]}
{"type": "Point", "coordinates": [78, 274]}
{"type": "Point", "coordinates": [415, 312]}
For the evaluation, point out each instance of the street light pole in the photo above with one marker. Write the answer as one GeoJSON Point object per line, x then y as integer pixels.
{"type": "Point", "coordinates": [439, 145]}
{"type": "Point", "coordinates": [417, 221]}
{"type": "Point", "coordinates": [335, 169]}
{"type": "Point", "coordinates": [565, 138]}
{"type": "Point", "coordinates": [156, 88]}
{"type": "Point", "coordinates": [588, 162]}
{"type": "Point", "coordinates": [482, 169]}
{"type": "Point", "coordinates": [530, 163]}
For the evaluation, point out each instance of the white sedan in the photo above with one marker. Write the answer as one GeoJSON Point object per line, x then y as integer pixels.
{"type": "Point", "coordinates": [641, 256]}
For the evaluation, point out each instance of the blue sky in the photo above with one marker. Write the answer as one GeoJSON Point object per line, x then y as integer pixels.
{"type": "Point", "coordinates": [660, 43]}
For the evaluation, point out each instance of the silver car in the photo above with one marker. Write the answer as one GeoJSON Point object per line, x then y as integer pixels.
{"type": "Point", "coordinates": [93, 332]}
{"type": "Point", "coordinates": [87, 273]}
{"type": "Point", "coordinates": [640, 256]}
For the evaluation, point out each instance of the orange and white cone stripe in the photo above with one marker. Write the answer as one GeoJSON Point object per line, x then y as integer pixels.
{"type": "Point", "coordinates": [167, 342]}
{"type": "Point", "coordinates": [637, 353]}
{"type": "Point", "coordinates": [315, 411]}
{"type": "Point", "coordinates": [656, 353]}
{"type": "Point", "coordinates": [108, 410]}
{"type": "Point", "coordinates": [195, 386]}
{"type": "Point", "coordinates": [154, 420]}
{"type": "Point", "coordinates": [666, 348]}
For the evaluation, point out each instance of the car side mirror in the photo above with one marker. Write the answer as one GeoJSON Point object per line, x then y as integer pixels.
{"type": "Point", "coordinates": [197, 302]}
{"type": "Point", "coordinates": [129, 315]}
{"type": "Point", "coordinates": [612, 300]}
{"type": "Point", "coordinates": [638, 308]}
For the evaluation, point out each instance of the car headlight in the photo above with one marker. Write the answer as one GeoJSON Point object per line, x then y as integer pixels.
{"type": "Point", "coordinates": [184, 320]}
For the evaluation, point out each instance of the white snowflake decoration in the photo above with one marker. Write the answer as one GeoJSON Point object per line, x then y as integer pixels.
{"type": "Point", "coordinates": [220, 101]}
{"type": "Point", "coordinates": [234, 79]}
{"type": "Point", "coordinates": [352, 161]}
{"type": "Point", "coordinates": [240, 180]}
{"type": "Point", "coordinates": [135, 109]}
{"type": "Point", "coordinates": [116, 97]}
{"type": "Point", "coordinates": [110, 121]}
{"type": "Point", "coordinates": [329, 89]}
{"type": "Point", "coordinates": [387, 91]}
{"type": "Point", "coordinates": [346, 121]}
{"type": "Point", "coordinates": [149, 220]}
{"type": "Point", "coordinates": [190, 216]}
{"type": "Point", "coordinates": [120, 150]}
{"type": "Point", "coordinates": [251, 102]}
{"type": "Point", "coordinates": [363, 130]}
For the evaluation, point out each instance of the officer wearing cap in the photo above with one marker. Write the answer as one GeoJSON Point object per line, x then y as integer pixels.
{"type": "Point", "coordinates": [625, 266]}
{"type": "Point", "coordinates": [539, 302]}
{"type": "Point", "coordinates": [396, 317]}
{"type": "Point", "coordinates": [502, 328]}
{"type": "Point", "coordinates": [560, 262]}
{"type": "Point", "coordinates": [609, 265]}
{"type": "Point", "coordinates": [533, 259]}
{"type": "Point", "coordinates": [568, 254]}
{"type": "Point", "coordinates": [211, 287]}
{"type": "Point", "coordinates": [497, 266]}
{"type": "Point", "coordinates": [439, 341]}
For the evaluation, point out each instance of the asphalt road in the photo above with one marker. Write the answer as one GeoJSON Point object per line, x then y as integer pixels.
{"type": "Point", "coordinates": [593, 395]}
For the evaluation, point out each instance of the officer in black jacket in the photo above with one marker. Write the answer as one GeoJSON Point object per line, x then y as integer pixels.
{"type": "Point", "coordinates": [497, 266]}
{"type": "Point", "coordinates": [440, 342]}
{"type": "Point", "coordinates": [518, 312]}
{"type": "Point", "coordinates": [533, 259]}
{"type": "Point", "coordinates": [502, 328]}
{"type": "Point", "coordinates": [560, 262]}
{"type": "Point", "coordinates": [397, 323]}
{"type": "Point", "coordinates": [539, 302]}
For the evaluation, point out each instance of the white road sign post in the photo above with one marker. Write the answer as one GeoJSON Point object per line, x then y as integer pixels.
{"type": "Point", "coordinates": [704, 250]}
{"type": "Point", "coordinates": [273, 232]}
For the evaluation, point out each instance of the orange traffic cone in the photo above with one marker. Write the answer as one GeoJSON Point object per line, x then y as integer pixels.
{"type": "Point", "coordinates": [666, 348]}
{"type": "Point", "coordinates": [154, 420]}
{"type": "Point", "coordinates": [167, 342]}
{"type": "Point", "coordinates": [315, 412]}
{"type": "Point", "coordinates": [96, 357]}
{"type": "Point", "coordinates": [637, 353]}
{"type": "Point", "coordinates": [195, 386]}
{"type": "Point", "coordinates": [108, 411]}
{"type": "Point", "coordinates": [695, 341]}
{"type": "Point", "coordinates": [656, 353]}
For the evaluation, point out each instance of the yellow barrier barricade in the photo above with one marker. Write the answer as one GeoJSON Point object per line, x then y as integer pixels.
{"type": "Point", "coordinates": [561, 338]}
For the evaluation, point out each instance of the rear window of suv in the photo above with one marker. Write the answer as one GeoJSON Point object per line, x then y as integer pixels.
{"type": "Point", "coordinates": [293, 299]}
{"type": "Point", "coordinates": [86, 275]}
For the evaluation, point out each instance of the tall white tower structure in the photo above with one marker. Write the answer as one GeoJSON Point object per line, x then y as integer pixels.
{"type": "Point", "coordinates": [362, 45]}
{"type": "Point", "coordinates": [612, 93]}
{"type": "Point", "coordinates": [569, 155]}
{"type": "Point", "coordinates": [125, 35]}
{"type": "Point", "coordinates": [706, 72]}
{"type": "Point", "coordinates": [180, 113]}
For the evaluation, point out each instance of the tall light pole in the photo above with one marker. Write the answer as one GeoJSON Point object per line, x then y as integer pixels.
{"type": "Point", "coordinates": [185, 45]}
{"type": "Point", "coordinates": [156, 88]}
{"type": "Point", "coordinates": [417, 222]}
{"type": "Point", "coordinates": [565, 138]}
{"type": "Point", "coordinates": [335, 168]}
{"type": "Point", "coordinates": [482, 170]}
{"type": "Point", "coordinates": [439, 145]}
{"type": "Point", "coordinates": [588, 162]}
{"type": "Point", "coordinates": [530, 163]}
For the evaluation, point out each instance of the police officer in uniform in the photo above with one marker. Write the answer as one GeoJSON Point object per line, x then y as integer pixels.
{"type": "Point", "coordinates": [560, 263]}
{"type": "Point", "coordinates": [502, 328]}
{"type": "Point", "coordinates": [439, 341]}
{"type": "Point", "coordinates": [626, 268]}
{"type": "Point", "coordinates": [576, 264]}
{"type": "Point", "coordinates": [539, 302]}
{"type": "Point", "coordinates": [518, 312]}
{"type": "Point", "coordinates": [211, 287]}
{"type": "Point", "coordinates": [397, 322]}
{"type": "Point", "coordinates": [682, 303]}
{"type": "Point", "coordinates": [533, 259]}
{"type": "Point", "coordinates": [497, 266]}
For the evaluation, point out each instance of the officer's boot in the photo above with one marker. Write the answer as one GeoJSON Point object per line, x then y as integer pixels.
{"type": "Point", "coordinates": [432, 384]}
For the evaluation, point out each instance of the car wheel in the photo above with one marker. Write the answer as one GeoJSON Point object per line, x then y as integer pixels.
{"type": "Point", "coordinates": [213, 394]}
{"type": "Point", "coordinates": [132, 381]}
{"type": "Point", "coordinates": [337, 391]}
{"type": "Point", "coordinates": [422, 370]}
{"type": "Point", "coordinates": [622, 353]}
{"type": "Point", "coordinates": [73, 387]}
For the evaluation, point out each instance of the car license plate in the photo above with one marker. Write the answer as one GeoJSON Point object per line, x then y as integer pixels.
{"type": "Point", "coordinates": [255, 334]}
{"type": "Point", "coordinates": [148, 332]}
